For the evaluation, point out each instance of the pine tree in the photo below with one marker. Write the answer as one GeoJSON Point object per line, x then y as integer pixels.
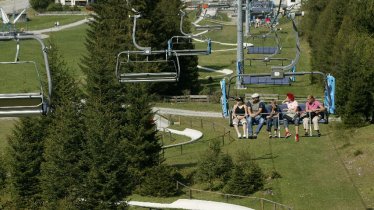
{"type": "Point", "coordinates": [62, 172]}
{"type": "Point", "coordinates": [119, 128]}
{"type": "Point", "coordinates": [24, 158]}
{"type": "Point", "coordinates": [341, 45]}
{"type": "Point", "coordinates": [108, 178]}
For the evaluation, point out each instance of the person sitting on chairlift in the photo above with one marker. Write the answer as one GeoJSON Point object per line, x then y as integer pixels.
{"type": "Point", "coordinates": [292, 115]}
{"type": "Point", "coordinates": [255, 110]}
{"type": "Point", "coordinates": [239, 113]}
{"type": "Point", "coordinates": [314, 110]}
{"type": "Point", "coordinates": [267, 21]}
{"type": "Point", "coordinates": [273, 118]}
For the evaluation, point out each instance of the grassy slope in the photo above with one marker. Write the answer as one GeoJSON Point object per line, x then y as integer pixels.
{"type": "Point", "coordinates": [313, 176]}
{"type": "Point", "coordinates": [70, 43]}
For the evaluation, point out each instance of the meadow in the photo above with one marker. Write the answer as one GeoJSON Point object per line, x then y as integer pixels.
{"type": "Point", "coordinates": [334, 171]}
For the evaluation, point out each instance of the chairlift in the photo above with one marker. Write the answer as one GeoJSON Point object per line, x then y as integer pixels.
{"type": "Point", "coordinates": [181, 41]}
{"type": "Point", "coordinates": [198, 27]}
{"type": "Point", "coordinates": [329, 87]}
{"type": "Point", "coordinates": [26, 103]}
{"type": "Point", "coordinates": [147, 65]}
{"type": "Point", "coordinates": [208, 27]}
{"type": "Point", "coordinates": [298, 51]}
{"type": "Point", "coordinates": [156, 67]}
{"type": "Point", "coordinates": [294, 61]}
{"type": "Point", "coordinates": [270, 51]}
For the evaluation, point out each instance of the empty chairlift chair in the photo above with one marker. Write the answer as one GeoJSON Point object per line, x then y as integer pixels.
{"type": "Point", "coordinates": [21, 102]}
{"type": "Point", "coordinates": [146, 65]}
{"type": "Point", "coordinates": [181, 45]}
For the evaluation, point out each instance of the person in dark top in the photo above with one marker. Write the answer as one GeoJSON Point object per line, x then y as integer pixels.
{"type": "Point", "coordinates": [273, 119]}
{"type": "Point", "coordinates": [239, 113]}
{"type": "Point", "coordinates": [256, 108]}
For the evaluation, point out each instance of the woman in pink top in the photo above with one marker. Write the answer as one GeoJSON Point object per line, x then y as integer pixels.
{"type": "Point", "coordinates": [291, 115]}
{"type": "Point", "coordinates": [313, 109]}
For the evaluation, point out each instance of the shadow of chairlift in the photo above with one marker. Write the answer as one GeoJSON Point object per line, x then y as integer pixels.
{"type": "Point", "coordinates": [153, 62]}
{"type": "Point", "coordinates": [30, 103]}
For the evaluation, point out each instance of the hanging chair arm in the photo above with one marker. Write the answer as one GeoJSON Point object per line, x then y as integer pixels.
{"type": "Point", "coordinates": [146, 50]}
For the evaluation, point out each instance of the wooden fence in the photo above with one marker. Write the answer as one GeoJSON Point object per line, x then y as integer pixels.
{"type": "Point", "coordinates": [187, 98]}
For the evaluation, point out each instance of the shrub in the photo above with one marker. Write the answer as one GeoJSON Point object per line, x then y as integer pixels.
{"type": "Point", "coordinates": [55, 7]}
{"type": "Point", "coordinates": [214, 166]}
{"type": "Point", "coordinates": [245, 179]}
{"type": "Point", "coordinates": [159, 181]}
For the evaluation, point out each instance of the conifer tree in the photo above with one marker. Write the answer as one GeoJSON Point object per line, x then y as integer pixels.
{"type": "Point", "coordinates": [24, 156]}
{"type": "Point", "coordinates": [119, 130]}
{"type": "Point", "coordinates": [62, 171]}
{"type": "Point", "coordinates": [345, 54]}
{"type": "Point", "coordinates": [108, 179]}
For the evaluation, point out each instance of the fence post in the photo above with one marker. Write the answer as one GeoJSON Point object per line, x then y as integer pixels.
{"type": "Point", "coordinates": [190, 193]}
{"type": "Point", "coordinates": [169, 136]}
{"type": "Point", "coordinates": [201, 123]}
{"type": "Point", "coordinates": [214, 129]}
{"type": "Point", "coordinates": [262, 204]}
{"type": "Point", "coordinates": [227, 198]}
{"type": "Point", "coordinates": [191, 123]}
{"type": "Point", "coordinates": [177, 185]}
{"type": "Point", "coordinates": [181, 149]}
{"type": "Point", "coordinates": [275, 206]}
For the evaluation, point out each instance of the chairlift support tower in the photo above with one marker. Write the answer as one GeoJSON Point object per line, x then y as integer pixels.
{"type": "Point", "coordinates": [239, 52]}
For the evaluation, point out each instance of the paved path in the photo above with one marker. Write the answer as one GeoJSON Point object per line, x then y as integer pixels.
{"type": "Point", "coordinates": [59, 28]}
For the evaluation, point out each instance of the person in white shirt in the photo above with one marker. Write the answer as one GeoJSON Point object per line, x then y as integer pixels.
{"type": "Point", "coordinates": [291, 115]}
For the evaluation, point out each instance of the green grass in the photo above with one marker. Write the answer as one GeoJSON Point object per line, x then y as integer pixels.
{"type": "Point", "coordinates": [18, 78]}
{"type": "Point", "coordinates": [313, 177]}
{"type": "Point", "coordinates": [43, 22]}
{"type": "Point", "coordinates": [71, 44]}
{"type": "Point", "coordinates": [6, 126]}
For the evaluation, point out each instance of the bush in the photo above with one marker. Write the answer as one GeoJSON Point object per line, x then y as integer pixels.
{"type": "Point", "coordinates": [55, 7]}
{"type": "Point", "coordinates": [159, 181]}
{"type": "Point", "coordinates": [245, 179]}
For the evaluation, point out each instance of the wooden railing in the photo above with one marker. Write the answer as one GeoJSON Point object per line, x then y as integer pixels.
{"type": "Point", "coordinates": [187, 98]}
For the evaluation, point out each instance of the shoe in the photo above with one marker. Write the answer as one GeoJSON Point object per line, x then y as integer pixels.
{"type": "Point", "coordinates": [254, 136]}
{"type": "Point", "coordinates": [297, 139]}
{"type": "Point", "coordinates": [270, 136]}
{"type": "Point", "coordinates": [288, 134]}
{"type": "Point", "coordinates": [319, 134]}
{"type": "Point", "coordinates": [244, 136]}
{"type": "Point", "coordinates": [306, 134]}
{"type": "Point", "coordinates": [250, 137]}
{"type": "Point", "coordinates": [239, 136]}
